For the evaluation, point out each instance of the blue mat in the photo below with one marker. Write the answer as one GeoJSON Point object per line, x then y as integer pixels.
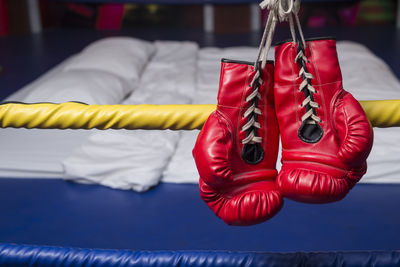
{"type": "Point", "coordinates": [172, 217]}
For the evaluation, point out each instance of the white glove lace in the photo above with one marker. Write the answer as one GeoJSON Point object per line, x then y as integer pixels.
{"type": "Point", "coordinates": [286, 10]}
{"type": "Point", "coordinates": [252, 125]}
{"type": "Point", "coordinates": [310, 116]}
{"type": "Point", "coordinates": [279, 10]}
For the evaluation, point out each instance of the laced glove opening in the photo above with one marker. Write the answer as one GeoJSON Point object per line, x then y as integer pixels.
{"type": "Point", "coordinates": [310, 130]}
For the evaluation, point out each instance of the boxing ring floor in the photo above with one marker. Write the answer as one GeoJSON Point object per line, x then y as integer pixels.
{"type": "Point", "coordinates": [171, 217]}
{"type": "Point", "coordinates": [170, 225]}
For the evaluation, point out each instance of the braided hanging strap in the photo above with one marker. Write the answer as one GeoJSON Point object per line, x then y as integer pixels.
{"type": "Point", "coordinates": [381, 113]}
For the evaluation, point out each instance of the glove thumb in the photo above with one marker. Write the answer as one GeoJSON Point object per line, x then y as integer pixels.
{"type": "Point", "coordinates": [356, 129]}
{"type": "Point", "coordinates": [212, 151]}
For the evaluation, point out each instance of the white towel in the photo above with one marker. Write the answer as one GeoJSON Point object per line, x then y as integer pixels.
{"type": "Point", "coordinates": [97, 75]}
{"type": "Point", "coordinates": [125, 57]}
{"type": "Point", "coordinates": [123, 159]}
{"type": "Point", "coordinates": [181, 168]}
{"type": "Point", "coordinates": [136, 159]}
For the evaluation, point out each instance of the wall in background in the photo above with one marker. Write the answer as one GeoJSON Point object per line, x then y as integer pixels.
{"type": "Point", "coordinates": [227, 18]}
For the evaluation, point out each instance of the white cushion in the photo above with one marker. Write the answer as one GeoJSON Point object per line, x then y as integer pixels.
{"type": "Point", "coordinates": [87, 86]}
{"type": "Point", "coordinates": [122, 56]}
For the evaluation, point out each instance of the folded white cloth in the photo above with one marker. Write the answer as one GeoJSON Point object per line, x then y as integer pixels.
{"type": "Point", "coordinates": [122, 159]}
{"type": "Point", "coordinates": [87, 77]}
{"type": "Point", "coordinates": [365, 75]}
{"type": "Point", "coordinates": [122, 56]}
{"type": "Point", "coordinates": [21, 94]}
{"type": "Point", "coordinates": [38, 153]}
{"type": "Point", "coordinates": [136, 159]}
{"type": "Point", "coordinates": [87, 86]}
{"type": "Point", "coordinates": [182, 168]}
{"type": "Point", "coordinates": [114, 65]}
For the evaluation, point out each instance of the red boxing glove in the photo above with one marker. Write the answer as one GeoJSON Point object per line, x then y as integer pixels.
{"type": "Point", "coordinates": [237, 148]}
{"type": "Point", "coordinates": [326, 136]}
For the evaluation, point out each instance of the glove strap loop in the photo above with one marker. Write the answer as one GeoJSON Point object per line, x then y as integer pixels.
{"type": "Point", "coordinates": [279, 10]}
{"type": "Point", "coordinates": [269, 30]}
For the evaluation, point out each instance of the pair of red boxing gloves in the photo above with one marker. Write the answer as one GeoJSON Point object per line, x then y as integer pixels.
{"type": "Point", "coordinates": [325, 134]}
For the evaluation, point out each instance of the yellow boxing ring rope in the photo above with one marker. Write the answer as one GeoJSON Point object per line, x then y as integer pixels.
{"type": "Point", "coordinates": [73, 115]}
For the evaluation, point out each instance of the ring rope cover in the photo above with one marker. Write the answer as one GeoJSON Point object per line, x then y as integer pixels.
{"type": "Point", "coordinates": [74, 115]}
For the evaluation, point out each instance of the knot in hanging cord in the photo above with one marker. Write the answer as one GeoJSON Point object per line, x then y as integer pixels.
{"type": "Point", "coordinates": [284, 10]}
{"type": "Point", "coordinates": [278, 10]}
{"type": "Point", "coordinates": [281, 8]}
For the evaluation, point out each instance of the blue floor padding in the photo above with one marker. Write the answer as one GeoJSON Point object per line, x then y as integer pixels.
{"type": "Point", "coordinates": [172, 217]}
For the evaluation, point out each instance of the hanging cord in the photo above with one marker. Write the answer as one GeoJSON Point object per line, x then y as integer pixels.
{"type": "Point", "coordinates": [287, 10]}
{"type": "Point", "coordinates": [252, 151]}
{"type": "Point", "coordinates": [279, 10]}
{"type": "Point", "coordinates": [290, 9]}
{"type": "Point", "coordinates": [310, 117]}
{"type": "Point", "coordinates": [266, 41]}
